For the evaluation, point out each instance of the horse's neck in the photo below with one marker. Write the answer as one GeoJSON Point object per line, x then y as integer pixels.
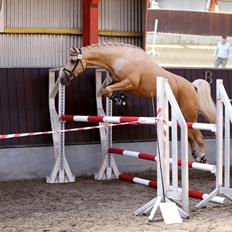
{"type": "Point", "coordinates": [99, 57]}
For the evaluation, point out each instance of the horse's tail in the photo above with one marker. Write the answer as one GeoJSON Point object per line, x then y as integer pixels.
{"type": "Point", "coordinates": [206, 106]}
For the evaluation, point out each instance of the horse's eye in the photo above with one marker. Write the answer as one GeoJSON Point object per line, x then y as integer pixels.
{"type": "Point", "coordinates": [74, 59]}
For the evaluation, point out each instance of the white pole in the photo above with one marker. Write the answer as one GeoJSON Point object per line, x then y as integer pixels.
{"type": "Point", "coordinates": [166, 158]}
{"type": "Point", "coordinates": [174, 153]}
{"type": "Point", "coordinates": [227, 151]}
{"type": "Point", "coordinates": [2, 9]}
{"type": "Point", "coordinates": [109, 112]}
{"type": "Point", "coordinates": [184, 147]}
{"type": "Point", "coordinates": [219, 136]}
{"type": "Point", "coordinates": [160, 133]}
{"type": "Point", "coordinates": [61, 111]}
{"type": "Point", "coordinates": [154, 37]}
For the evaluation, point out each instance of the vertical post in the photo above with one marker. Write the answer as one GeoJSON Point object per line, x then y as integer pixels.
{"type": "Point", "coordinates": [154, 37]}
{"type": "Point", "coordinates": [219, 136]}
{"type": "Point", "coordinates": [160, 136]}
{"type": "Point", "coordinates": [108, 168]}
{"type": "Point", "coordinates": [109, 112]}
{"type": "Point", "coordinates": [227, 151]}
{"type": "Point", "coordinates": [61, 111]}
{"type": "Point", "coordinates": [2, 3]}
{"type": "Point", "coordinates": [166, 164]}
{"type": "Point", "coordinates": [174, 153]}
{"type": "Point", "coordinates": [90, 22]}
{"type": "Point", "coordinates": [213, 4]}
{"type": "Point", "coordinates": [184, 148]}
{"type": "Point", "coordinates": [61, 172]}
{"type": "Point", "coordinates": [184, 169]}
{"type": "Point", "coordinates": [145, 6]}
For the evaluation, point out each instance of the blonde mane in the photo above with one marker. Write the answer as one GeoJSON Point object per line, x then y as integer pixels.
{"type": "Point", "coordinates": [108, 45]}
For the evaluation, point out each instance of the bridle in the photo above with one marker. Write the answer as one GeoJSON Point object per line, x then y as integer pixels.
{"type": "Point", "coordinates": [76, 58]}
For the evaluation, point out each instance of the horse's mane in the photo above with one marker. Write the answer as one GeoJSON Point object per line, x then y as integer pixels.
{"type": "Point", "coordinates": [108, 45]}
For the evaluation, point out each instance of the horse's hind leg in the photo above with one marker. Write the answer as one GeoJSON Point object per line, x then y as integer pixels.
{"type": "Point", "coordinates": [198, 137]}
{"type": "Point", "coordinates": [191, 141]}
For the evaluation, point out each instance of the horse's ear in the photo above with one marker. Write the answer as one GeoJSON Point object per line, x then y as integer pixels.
{"type": "Point", "coordinates": [72, 50]}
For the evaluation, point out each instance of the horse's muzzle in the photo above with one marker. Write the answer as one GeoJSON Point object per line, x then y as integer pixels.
{"type": "Point", "coordinates": [65, 78]}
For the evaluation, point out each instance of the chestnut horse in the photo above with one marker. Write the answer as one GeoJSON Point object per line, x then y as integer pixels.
{"type": "Point", "coordinates": [135, 72]}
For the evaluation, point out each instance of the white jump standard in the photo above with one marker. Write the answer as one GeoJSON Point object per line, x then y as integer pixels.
{"type": "Point", "coordinates": [169, 189]}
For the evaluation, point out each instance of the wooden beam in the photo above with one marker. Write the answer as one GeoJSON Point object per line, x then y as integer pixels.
{"type": "Point", "coordinates": [120, 34]}
{"type": "Point", "coordinates": [66, 31]}
{"type": "Point", "coordinates": [50, 31]}
{"type": "Point", "coordinates": [90, 22]}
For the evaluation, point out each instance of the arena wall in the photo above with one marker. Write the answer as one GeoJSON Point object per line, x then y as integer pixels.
{"type": "Point", "coordinates": [84, 160]}
{"type": "Point", "coordinates": [190, 22]}
{"type": "Point", "coordinates": [24, 108]}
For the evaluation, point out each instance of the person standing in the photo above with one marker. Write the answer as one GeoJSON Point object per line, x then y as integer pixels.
{"type": "Point", "coordinates": [222, 53]}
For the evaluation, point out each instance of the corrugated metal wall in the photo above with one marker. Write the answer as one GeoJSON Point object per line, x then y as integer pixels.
{"type": "Point", "coordinates": [44, 13]}
{"type": "Point", "coordinates": [36, 50]}
{"type": "Point", "coordinates": [137, 41]}
{"type": "Point", "coordinates": [121, 15]}
{"type": "Point", "coordinates": [51, 50]}
{"type": "Point", "coordinates": [24, 105]}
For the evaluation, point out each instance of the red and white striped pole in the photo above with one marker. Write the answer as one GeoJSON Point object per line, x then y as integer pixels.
{"type": "Point", "coordinates": [153, 184]}
{"type": "Point", "coordinates": [152, 157]}
{"type": "Point", "coordinates": [131, 119]}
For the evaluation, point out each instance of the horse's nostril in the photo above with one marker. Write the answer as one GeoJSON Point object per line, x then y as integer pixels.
{"type": "Point", "coordinates": [64, 80]}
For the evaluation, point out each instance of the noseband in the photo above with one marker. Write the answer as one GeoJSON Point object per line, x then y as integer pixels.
{"type": "Point", "coordinates": [70, 73]}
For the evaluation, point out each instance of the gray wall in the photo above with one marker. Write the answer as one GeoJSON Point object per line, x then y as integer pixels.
{"type": "Point", "coordinates": [27, 163]}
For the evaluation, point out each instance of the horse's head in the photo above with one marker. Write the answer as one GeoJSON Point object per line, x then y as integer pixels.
{"type": "Point", "coordinates": [74, 66]}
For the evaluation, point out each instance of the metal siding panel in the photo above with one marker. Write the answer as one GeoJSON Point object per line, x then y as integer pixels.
{"type": "Point", "coordinates": [128, 40]}
{"type": "Point", "coordinates": [36, 50]}
{"type": "Point", "coordinates": [44, 13]}
{"type": "Point", "coordinates": [120, 15]}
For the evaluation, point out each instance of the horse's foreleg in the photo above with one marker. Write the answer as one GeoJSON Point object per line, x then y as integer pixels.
{"type": "Point", "coordinates": [122, 86]}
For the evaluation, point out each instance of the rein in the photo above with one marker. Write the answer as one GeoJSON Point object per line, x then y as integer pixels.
{"type": "Point", "coordinates": [69, 73]}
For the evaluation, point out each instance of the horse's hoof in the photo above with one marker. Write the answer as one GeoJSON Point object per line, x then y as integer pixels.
{"type": "Point", "coordinates": [203, 159]}
{"type": "Point", "coordinates": [122, 96]}
{"type": "Point", "coordinates": [119, 99]}
{"type": "Point", "coordinates": [198, 157]}
{"type": "Point", "coordinates": [195, 155]}
{"type": "Point", "coordinates": [124, 103]}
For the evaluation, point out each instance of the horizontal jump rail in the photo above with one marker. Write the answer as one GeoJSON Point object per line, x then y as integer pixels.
{"type": "Point", "coordinates": [153, 184]}
{"type": "Point", "coordinates": [152, 157]}
{"type": "Point", "coordinates": [137, 120]}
